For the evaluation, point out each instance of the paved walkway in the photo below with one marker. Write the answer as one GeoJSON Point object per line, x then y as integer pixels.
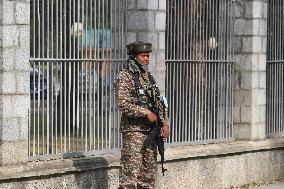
{"type": "Point", "coordinates": [272, 186]}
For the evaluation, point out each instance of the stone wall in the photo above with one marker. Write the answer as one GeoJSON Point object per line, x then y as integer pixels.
{"type": "Point", "coordinates": [191, 167]}
{"type": "Point", "coordinates": [250, 69]}
{"type": "Point", "coordinates": [14, 77]}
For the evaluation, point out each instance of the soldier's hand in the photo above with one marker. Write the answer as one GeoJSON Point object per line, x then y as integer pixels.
{"type": "Point", "coordinates": [165, 131]}
{"type": "Point", "coordinates": [151, 116]}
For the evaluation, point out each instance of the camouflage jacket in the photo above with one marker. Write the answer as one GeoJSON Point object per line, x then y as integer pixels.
{"type": "Point", "coordinates": [133, 115]}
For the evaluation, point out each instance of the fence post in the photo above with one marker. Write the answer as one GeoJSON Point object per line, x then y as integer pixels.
{"type": "Point", "coordinates": [147, 21]}
{"type": "Point", "coordinates": [14, 81]}
{"type": "Point", "coordinates": [250, 74]}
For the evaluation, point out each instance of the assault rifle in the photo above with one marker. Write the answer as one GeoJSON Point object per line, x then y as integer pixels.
{"type": "Point", "coordinates": [155, 136]}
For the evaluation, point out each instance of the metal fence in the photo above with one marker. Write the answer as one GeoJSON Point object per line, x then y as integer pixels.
{"type": "Point", "coordinates": [199, 70]}
{"type": "Point", "coordinates": [274, 69]}
{"type": "Point", "coordinates": [77, 47]}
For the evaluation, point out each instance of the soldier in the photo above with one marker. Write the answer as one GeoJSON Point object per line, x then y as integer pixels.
{"type": "Point", "coordinates": [136, 93]}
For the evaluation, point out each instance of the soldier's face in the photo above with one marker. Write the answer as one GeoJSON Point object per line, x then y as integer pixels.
{"type": "Point", "coordinates": [143, 58]}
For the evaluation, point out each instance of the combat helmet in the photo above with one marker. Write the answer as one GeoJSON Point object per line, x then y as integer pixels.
{"type": "Point", "coordinates": [138, 47]}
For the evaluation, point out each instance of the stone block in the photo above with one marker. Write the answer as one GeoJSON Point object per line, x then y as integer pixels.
{"type": "Point", "coordinates": [8, 83]}
{"type": "Point", "coordinates": [243, 26]}
{"type": "Point", "coordinates": [246, 114]}
{"type": "Point", "coordinates": [162, 4]}
{"type": "Point", "coordinates": [255, 114]}
{"type": "Point", "coordinates": [15, 105]}
{"type": "Point", "coordinates": [254, 62]}
{"type": "Point", "coordinates": [257, 9]}
{"type": "Point", "coordinates": [153, 4]}
{"type": "Point", "coordinates": [130, 37]}
{"type": "Point", "coordinates": [13, 152]}
{"type": "Point", "coordinates": [8, 12]}
{"type": "Point", "coordinates": [261, 130]}
{"type": "Point", "coordinates": [8, 153]}
{"type": "Point", "coordinates": [247, 44]}
{"type": "Point", "coordinates": [239, 9]}
{"type": "Point", "coordinates": [265, 9]}
{"type": "Point", "coordinates": [248, 9]}
{"type": "Point", "coordinates": [24, 128]}
{"type": "Point", "coordinates": [263, 27]}
{"type": "Point", "coordinates": [258, 97]}
{"type": "Point", "coordinates": [142, 4]}
{"type": "Point", "coordinates": [246, 78]}
{"type": "Point", "coordinates": [160, 79]}
{"type": "Point", "coordinates": [154, 39]}
{"type": "Point", "coordinates": [258, 131]}
{"type": "Point", "coordinates": [8, 59]}
{"type": "Point", "coordinates": [142, 36]}
{"type": "Point", "coordinates": [24, 37]}
{"type": "Point", "coordinates": [162, 40]}
{"type": "Point", "coordinates": [21, 104]}
{"type": "Point", "coordinates": [262, 62]}
{"type": "Point", "coordinates": [262, 80]}
{"type": "Point", "coordinates": [131, 4]}
{"type": "Point", "coordinates": [264, 44]}
{"type": "Point", "coordinates": [237, 114]}
{"type": "Point", "coordinates": [151, 21]}
{"type": "Point", "coordinates": [255, 80]}
{"type": "Point", "coordinates": [257, 44]}
{"type": "Point", "coordinates": [244, 61]}
{"type": "Point", "coordinates": [23, 83]}
{"type": "Point", "coordinates": [256, 26]}
{"type": "Point", "coordinates": [160, 21]}
{"type": "Point", "coordinates": [22, 13]}
{"type": "Point", "coordinates": [160, 59]}
{"type": "Point", "coordinates": [9, 129]}
{"type": "Point", "coordinates": [10, 36]}
{"type": "Point", "coordinates": [237, 44]}
{"type": "Point", "coordinates": [242, 97]}
{"type": "Point", "coordinates": [242, 131]}
{"type": "Point", "coordinates": [262, 113]}
{"type": "Point", "coordinates": [149, 37]}
{"type": "Point", "coordinates": [137, 20]}
{"type": "Point", "coordinates": [153, 62]}
{"type": "Point", "coordinates": [22, 59]}
{"type": "Point", "coordinates": [6, 106]}
{"type": "Point", "coordinates": [148, 4]}
{"type": "Point", "coordinates": [237, 80]}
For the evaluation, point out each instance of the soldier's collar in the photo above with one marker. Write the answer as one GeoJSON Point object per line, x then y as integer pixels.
{"type": "Point", "coordinates": [132, 66]}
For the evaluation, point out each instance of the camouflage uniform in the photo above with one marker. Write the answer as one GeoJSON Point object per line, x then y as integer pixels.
{"type": "Point", "coordinates": [138, 164]}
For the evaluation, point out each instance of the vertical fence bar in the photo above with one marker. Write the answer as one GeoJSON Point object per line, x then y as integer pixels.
{"type": "Point", "coordinates": [42, 83]}
{"type": "Point", "coordinates": [274, 66]}
{"type": "Point", "coordinates": [72, 56]}
{"type": "Point", "coordinates": [33, 132]}
{"type": "Point", "coordinates": [280, 56]}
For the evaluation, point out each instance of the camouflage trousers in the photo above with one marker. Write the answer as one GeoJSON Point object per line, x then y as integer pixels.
{"type": "Point", "coordinates": [138, 165]}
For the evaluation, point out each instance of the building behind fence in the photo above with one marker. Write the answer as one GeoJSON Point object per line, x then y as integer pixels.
{"type": "Point", "coordinates": [218, 62]}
